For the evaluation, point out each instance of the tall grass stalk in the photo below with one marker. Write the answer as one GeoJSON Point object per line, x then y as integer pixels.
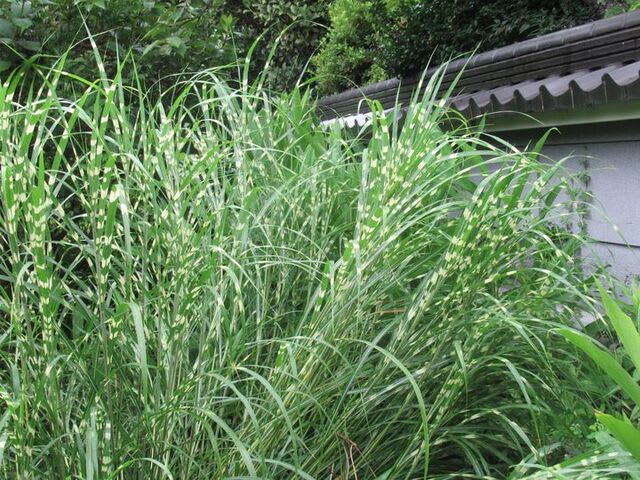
{"type": "Point", "coordinates": [212, 285]}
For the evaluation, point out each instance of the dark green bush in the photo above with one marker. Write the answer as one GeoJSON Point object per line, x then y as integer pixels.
{"type": "Point", "coordinates": [297, 26]}
{"type": "Point", "coordinates": [166, 36]}
{"type": "Point", "coordinates": [368, 40]}
{"type": "Point", "coordinates": [381, 38]}
{"type": "Point", "coordinates": [617, 7]}
{"type": "Point", "coordinates": [350, 48]}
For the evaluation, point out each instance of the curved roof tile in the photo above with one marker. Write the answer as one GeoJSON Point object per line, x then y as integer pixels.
{"type": "Point", "coordinates": [592, 64]}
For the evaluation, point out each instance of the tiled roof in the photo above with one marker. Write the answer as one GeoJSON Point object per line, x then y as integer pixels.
{"type": "Point", "coordinates": [594, 64]}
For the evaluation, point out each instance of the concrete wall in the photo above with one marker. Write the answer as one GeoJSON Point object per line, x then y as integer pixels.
{"type": "Point", "coordinates": [606, 157]}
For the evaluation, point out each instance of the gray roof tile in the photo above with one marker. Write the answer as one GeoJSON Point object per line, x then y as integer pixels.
{"type": "Point", "coordinates": [593, 64]}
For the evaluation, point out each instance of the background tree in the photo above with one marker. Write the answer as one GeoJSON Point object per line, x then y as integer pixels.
{"type": "Point", "coordinates": [165, 36]}
{"type": "Point", "coordinates": [378, 39]}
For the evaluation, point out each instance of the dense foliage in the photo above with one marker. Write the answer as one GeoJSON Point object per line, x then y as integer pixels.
{"type": "Point", "coordinates": [218, 286]}
{"type": "Point", "coordinates": [165, 36]}
{"type": "Point", "coordinates": [362, 41]}
{"type": "Point", "coordinates": [622, 427]}
{"type": "Point", "coordinates": [617, 7]}
{"type": "Point", "coordinates": [294, 27]}
{"type": "Point", "coordinates": [376, 39]}
{"type": "Point", "coordinates": [616, 453]}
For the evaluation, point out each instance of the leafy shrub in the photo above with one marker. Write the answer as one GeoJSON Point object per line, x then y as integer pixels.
{"type": "Point", "coordinates": [625, 430]}
{"type": "Point", "coordinates": [165, 36]}
{"type": "Point", "coordinates": [219, 286]}
{"type": "Point", "coordinates": [349, 51]}
{"type": "Point", "coordinates": [627, 332]}
{"type": "Point", "coordinates": [401, 36]}
{"type": "Point", "coordinates": [296, 26]}
{"type": "Point", "coordinates": [617, 453]}
{"type": "Point", "coordinates": [617, 7]}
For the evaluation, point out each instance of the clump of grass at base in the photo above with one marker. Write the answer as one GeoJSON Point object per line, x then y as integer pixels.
{"type": "Point", "coordinates": [215, 286]}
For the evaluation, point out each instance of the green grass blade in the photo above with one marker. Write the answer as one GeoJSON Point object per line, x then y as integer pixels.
{"type": "Point", "coordinates": [625, 433]}
{"type": "Point", "coordinates": [605, 361]}
{"type": "Point", "coordinates": [624, 327]}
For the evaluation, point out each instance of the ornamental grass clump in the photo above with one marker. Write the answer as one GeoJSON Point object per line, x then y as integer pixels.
{"type": "Point", "coordinates": [213, 285]}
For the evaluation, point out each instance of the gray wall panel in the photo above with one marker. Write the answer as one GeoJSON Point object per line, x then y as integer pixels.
{"type": "Point", "coordinates": [606, 161]}
{"type": "Point", "coordinates": [621, 261]}
{"type": "Point", "coordinates": [614, 181]}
